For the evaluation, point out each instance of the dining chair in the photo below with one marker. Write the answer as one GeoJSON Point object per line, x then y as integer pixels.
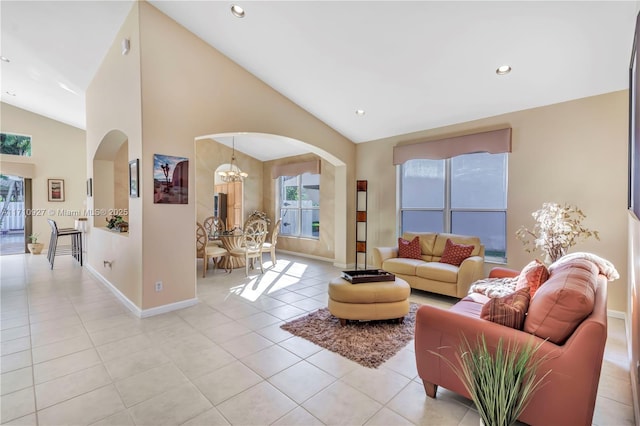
{"type": "Point", "coordinates": [253, 237]}
{"type": "Point", "coordinates": [206, 252]}
{"type": "Point", "coordinates": [213, 226]}
{"type": "Point", "coordinates": [271, 246]}
{"type": "Point", "coordinates": [256, 214]}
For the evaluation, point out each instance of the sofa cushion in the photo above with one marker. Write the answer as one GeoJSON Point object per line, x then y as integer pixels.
{"type": "Point", "coordinates": [454, 253]}
{"type": "Point", "coordinates": [533, 275]}
{"type": "Point", "coordinates": [509, 310]}
{"type": "Point", "coordinates": [565, 299]}
{"type": "Point", "coordinates": [438, 272]}
{"type": "Point", "coordinates": [427, 241]}
{"type": "Point", "coordinates": [409, 249]}
{"type": "Point", "coordinates": [470, 305]}
{"type": "Point", "coordinates": [399, 265]}
{"type": "Point", "coordinates": [441, 241]}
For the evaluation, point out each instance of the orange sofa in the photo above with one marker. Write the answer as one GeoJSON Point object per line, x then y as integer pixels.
{"type": "Point", "coordinates": [569, 392]}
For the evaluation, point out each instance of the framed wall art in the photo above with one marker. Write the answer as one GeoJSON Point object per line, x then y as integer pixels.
{"type": "Point", "coordinates": [134, 178]}
{"type": "Point", "coordinates": [55, 189]}
{"type": "Point", "coordinates": [170, 179]}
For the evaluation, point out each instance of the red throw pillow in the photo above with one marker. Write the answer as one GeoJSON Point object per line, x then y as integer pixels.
{"type": "Point", "coordinates": [533, 276]}
{"type": "Point", "coordinates": [454, 253]}
{"type": "Point", "coordinates": [509, 310]}
{"type": "Point", "coordinates": [409, 249]}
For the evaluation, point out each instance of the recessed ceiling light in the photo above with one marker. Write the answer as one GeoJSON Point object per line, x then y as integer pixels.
{"type": "Point", "coordinates": [4, 59]}
{"type": "Point", "coordinates": [360, 112]}
{"type": "Point", "coordinates": [237, 11]}
{"type": "Point", "coordinates": [503, 69]}
{"type": "Point", "coordinates": [10, 93]}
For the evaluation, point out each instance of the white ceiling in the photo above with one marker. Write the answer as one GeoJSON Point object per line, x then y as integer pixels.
{"type": "Point", "coordinates": [410, 65]}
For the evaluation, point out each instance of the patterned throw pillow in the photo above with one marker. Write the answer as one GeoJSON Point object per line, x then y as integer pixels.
{"type": "Point", "coordinates": [509, 310]}
{"type": "Point", "coordinates": [454, 253]}
{"type": "Point", "coordinates": [409, 249]}
{"type": "Point", "coordinates": [533, 276]}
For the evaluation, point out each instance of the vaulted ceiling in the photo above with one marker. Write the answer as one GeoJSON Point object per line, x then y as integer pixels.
{"type": "Point", "coordinates": [409, 66]}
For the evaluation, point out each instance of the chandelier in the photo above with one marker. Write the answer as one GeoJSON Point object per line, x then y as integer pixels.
{"type": "Point", "coordinates": [234, 174]}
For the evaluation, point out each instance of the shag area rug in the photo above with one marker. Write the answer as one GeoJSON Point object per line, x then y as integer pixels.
{"type": "Point", "coordinates": [369, 343]}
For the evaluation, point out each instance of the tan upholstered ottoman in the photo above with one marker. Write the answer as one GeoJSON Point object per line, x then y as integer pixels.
{"type": "Point", "coordinates": [368, 301]}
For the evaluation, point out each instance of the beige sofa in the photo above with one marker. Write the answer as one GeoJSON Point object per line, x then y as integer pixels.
{"type": "Point", "coordinates": [428, 273]}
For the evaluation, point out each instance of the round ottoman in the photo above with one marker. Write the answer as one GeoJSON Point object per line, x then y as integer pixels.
{"type": "Point", "coordinates": [369, 301]}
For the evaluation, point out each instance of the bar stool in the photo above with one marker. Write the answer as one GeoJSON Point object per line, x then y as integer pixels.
{"type": "Point", "coordinates": [74, 249]}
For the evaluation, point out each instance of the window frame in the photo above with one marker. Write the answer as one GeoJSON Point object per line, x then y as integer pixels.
{"type": "Point", "coordinates": [447, 210]}
{"type": "Point", "coordinates": [30, 151]}
{"type": "Point", "coordinates": [299, 208]}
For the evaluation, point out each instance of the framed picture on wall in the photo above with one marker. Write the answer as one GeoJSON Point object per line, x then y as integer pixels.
{"type": "Point", "coordinates": [134, 178]}
{"type": "Point", "coordinates": [55, 189]}
{"type": "Point", "coordinates": [170, 179]}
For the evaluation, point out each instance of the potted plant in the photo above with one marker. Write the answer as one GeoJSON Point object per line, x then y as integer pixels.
{"type": "Point", "coordinates": [34, 246]}
{"type": "Point", "coordinates": [501, 382]}
{"type": "Point", "coordinates": [117, 223]}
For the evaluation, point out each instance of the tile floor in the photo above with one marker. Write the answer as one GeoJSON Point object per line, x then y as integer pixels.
{"type": "Point", "coordinates": [73, 355]}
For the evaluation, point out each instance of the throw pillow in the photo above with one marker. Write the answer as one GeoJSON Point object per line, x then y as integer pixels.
{"type": "Point", "coordinates": [509, 310]}
{"type": "Point", "coordinates": [454, 253]}
{"type": "Point", "coordinates": [409, 249]}
{"type": "Point", "coordinates": [533, 276]}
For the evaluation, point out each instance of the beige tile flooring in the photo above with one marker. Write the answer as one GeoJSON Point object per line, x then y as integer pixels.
{"type": "Point", "coordinates": [73, 355]}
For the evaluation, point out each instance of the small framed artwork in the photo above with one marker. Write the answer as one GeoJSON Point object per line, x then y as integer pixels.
{"type": "Point", "coordinates": [170, 179]}
{"type": "Point", "coordinates": [55, 189]}
{"type": "Point", "coordinates": [89, 187]}
{"type": "Point", "coordinates": [134, 178]}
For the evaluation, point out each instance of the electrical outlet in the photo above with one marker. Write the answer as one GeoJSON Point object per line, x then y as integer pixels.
{"type": "Point", "coordinates": [159, 286]}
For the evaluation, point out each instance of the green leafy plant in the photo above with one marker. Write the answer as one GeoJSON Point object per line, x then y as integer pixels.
{"type": "Point", "coordinates": [33, 238]}
{"type": "Point", "coordinates": [116, 222]}
{"type": "Point", "coordinates": [500, 383]}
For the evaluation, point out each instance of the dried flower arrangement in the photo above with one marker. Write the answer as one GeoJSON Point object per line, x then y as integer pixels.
{"type": "Point", "coordinates": [556, 229]}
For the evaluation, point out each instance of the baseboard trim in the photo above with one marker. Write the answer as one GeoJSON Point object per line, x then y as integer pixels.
{"type": "Point", "coordinates": [309, 256]}
{"type": "Point", "coordinates": [168, 308]}
{"type": "Point", "coordinates": [121, 297]}
{"type": "Point", "coordinates": [140, 313]}
{"type": "Point", "coordinates": [617, 314]}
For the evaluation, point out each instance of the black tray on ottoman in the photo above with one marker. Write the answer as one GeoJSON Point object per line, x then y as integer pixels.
{"type": "Point", "coordinates": [367, 276]}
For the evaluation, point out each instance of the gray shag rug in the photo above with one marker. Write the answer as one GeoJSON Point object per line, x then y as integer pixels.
{"type": "Point", "coordinates": [369, 343]}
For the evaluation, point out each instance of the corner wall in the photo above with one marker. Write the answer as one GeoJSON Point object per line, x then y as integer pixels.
{"type": "Point", "coordinates": [54, 147]}
{"type": "Point", "coordinates": [573, 152]}
{"type": "Point", "coordinates": [170, 89]}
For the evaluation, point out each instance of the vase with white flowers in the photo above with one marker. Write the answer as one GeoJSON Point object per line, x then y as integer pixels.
{"type": "Point", "coordinates": [557, 228]}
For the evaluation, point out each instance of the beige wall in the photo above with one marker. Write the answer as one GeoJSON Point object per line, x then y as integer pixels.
{"type": "Point", "coordinates": [114, 111]}
{"type": "Point", "coordinates": [55, 146]}
{"type": "Point", "coordinates": [169, 90]}
{"type": "Point", "coordinates": [573, 152]}
{"type": "Point", "coordinates": [633, 318]}
{"type": "Point", "coordinates": [209, 156]}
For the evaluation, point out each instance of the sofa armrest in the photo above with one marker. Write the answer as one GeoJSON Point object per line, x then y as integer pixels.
{"type": "Point", "coordinates": [442, 331]}
{"type": "Point", "coordinates": [471, 270]}
{"type": "Point", "coordinates": [380, 254]}
{"type": "Point", "coordinates": [500, 272]}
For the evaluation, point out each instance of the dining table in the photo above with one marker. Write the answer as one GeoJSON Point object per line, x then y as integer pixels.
{"type": "Point", "coordinates": [231, 241]}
